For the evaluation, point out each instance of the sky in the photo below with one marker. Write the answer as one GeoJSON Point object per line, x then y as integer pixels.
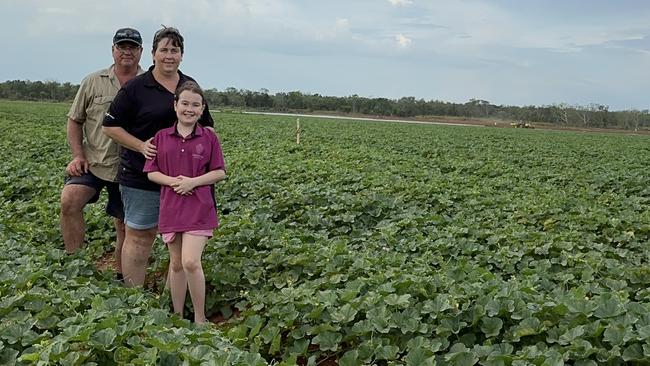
{"type": "Point", "coordinates": [508, 52]}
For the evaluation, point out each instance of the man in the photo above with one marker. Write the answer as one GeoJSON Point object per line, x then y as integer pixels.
{"type": "Point", "coordinates": [95, 157]}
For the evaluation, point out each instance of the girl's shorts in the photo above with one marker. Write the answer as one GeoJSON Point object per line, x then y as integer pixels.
{"type": "Point", "coordinates": [169, 237]}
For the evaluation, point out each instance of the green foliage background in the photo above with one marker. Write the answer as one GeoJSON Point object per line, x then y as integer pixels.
{"type": "Point", "coordinates": [368, 243]}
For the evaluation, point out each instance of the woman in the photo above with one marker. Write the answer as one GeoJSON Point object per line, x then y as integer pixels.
{"type": "Point", "coordinates": [140, 109]}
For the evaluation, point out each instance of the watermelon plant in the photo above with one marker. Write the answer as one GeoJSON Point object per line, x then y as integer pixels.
{"type": "Point", "coordinates": [367, 243]}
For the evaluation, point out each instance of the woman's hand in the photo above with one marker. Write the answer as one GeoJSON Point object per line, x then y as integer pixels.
{"type": "Point", "coordinates": [148, 149]}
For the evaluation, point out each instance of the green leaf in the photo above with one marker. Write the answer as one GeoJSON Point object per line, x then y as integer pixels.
{"type": "Point", "coordinates": [406, 323]}
{"type": "Point", "coordinates": [493, 308]}
{"type": "Point", "coordinates": [459, 355]}
{"type": "Point", "coordinates": [123, 355]}
{"type": "Point", "coordinates": [553, 359]}
{"type": "Point", "coordinates": [634, 352]}
{"type": "Point", "coordinates": [104, 338]}
{"type": "Point", "coordinates": [14, 332]}
{"type": "Point", "coordinates": [345, 314]}
{"type": "Point", "coordinates": [299, 346]}
{"type": "Point", "coordinates": [418, 342]}
{"type": "Point", "coordinates": [420, 357]}
{"type": "Point", "coordinates": [275, 344]}
{"type": "Point", "coordinates": [439, 304]}
{"type": "Point", "coordinates": [350, 358]}
{"type": "Point", "coordinates": [571, 335]}
{"type": "Point", "coordinates": [608, 308]}
{"type": "Point", "coordinates": [291, 361]}
{"type": "Point", "coordinates": [580, 306]}
{"type": "Point", "coordinates": [615, 334]}
{"type": "Point", "coordinates": [453, 325]}
{"type": "Point", "coordinates": [582, 349]}
{"type": "Point", "coordinates": [527, 327]}
{"type": "Point", "coordinates": [160, 317]}
{"type": "Point", "coordinates": [268, 333]}
{"type": "Point", "coordinates": [238, 333]}
{"type": "Point", "coordinates": [386, 352]}
{"type": "Point", "coordinates": [586, 363]}
{"type": "Point", "coordinates": [399, 301]}
{"type": "Point", "coordinates": [327, 341]}
{"type": "Point", "coordinates": [8, 356]}
{"type": "Point", "coordinates": [362, 327]}
{"type": "Point", "coordinates": [71, 359]}
{"type": "Point", "coordinates": [59, 348]}
{"type": "Point", "coordinates": [200, 352]}
{"type": "Point", "coordinates": [491, 326]}
{"type": "Point", "coordinates": [255, 323]}
{"type": "Point", "coordinates": [643, 332]}
{"type": "Point", "coordinates": [379, 317]}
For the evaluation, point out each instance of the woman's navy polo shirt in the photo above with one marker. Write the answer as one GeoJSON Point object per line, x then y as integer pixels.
{"type": "Point", "coordinates": [142, 108]}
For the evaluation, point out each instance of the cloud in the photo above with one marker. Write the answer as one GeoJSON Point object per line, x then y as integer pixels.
{"type": "Point", "coordinates": [477, 39]}
{"type": "Point", "coordinates": [403, 41]}
{"type": "Point", "coordinates": [342, 24]}
{"type": "Point", "coordinates": [58, 11]}
{"type": "Point", "coordinates": [400, 2]}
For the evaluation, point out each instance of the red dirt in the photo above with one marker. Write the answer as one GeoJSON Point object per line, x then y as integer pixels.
{"type": "Point", "coordinates": [218, 318]}
{"type": "Point", "coordinates": [154, 281]}
{"type": "Point", "coordinates": [105, 262]}
{"type": "Point", "coordinates": [487, 122]}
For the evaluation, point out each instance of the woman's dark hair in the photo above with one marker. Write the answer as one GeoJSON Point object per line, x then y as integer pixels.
{"type": "Point", "coordinates": [168, 32]}
{"type": "Point", "coordinates": [191, 86]}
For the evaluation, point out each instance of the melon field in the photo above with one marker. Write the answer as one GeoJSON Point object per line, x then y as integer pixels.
{"type": "Point", "coordinates": [369, 243]}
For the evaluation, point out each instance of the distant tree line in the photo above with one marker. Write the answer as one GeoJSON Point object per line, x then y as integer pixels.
{"type": "Point", "coordinates": [593, 115]}
{"type": "Point", "coordinates": [38, 90]}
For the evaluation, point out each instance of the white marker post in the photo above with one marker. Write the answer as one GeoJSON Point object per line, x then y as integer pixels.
{"type": "Point", "coordinates": [297, 131]}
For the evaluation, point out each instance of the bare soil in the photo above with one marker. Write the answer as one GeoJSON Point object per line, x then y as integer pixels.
{"type": "Point", "coordinates": [487, 122]}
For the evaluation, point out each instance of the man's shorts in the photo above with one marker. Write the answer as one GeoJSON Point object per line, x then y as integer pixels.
{"type": "Point", "coordinates": [140, 207]}
{"type": "Point", "coordinates": [114, 206]}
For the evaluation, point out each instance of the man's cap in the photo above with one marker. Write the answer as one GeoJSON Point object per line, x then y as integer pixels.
{"type": "Point", "coordinates": [127, 35]}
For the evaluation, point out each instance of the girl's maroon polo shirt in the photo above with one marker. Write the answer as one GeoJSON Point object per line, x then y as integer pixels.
{"type": "Point", "coordinates": [191, 156]}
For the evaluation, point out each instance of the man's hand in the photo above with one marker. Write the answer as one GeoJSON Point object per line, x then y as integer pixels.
{"type": "Point", "coordinates": [183, 185]}
{"type": "Point", "coordinates": [77, 167]}
{"type": "Point", "coordinates": [148, 149]}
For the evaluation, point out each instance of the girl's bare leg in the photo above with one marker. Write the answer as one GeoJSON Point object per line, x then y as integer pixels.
{"type": "Point", "coordinates": [176, 275]}
{"type": "Point", "coordinates": [192, 249]}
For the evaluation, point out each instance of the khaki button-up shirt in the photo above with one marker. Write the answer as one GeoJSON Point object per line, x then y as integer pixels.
{"type": "Point", "coordinates": [93, 98]}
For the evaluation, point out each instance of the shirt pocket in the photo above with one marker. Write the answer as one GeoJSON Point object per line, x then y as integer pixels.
{"type": "Point", "coordinates": [98, 106]}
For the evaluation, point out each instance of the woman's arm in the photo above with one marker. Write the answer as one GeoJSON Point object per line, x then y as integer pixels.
{"type": "Point", "coordinates": [119, 135]}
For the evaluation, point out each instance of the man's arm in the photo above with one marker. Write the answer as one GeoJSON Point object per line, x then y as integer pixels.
{"type": "Point", "coordinates": [119, 135]}
{"type": "Point", "coordinates": [78, 165]}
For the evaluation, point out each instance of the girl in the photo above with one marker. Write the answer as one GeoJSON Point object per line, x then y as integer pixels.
{"type": "Point", "coordinates": [188, 161]}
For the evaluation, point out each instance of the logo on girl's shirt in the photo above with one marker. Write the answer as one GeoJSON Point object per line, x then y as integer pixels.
{"type": "Point", "coordinates": [198, 150]}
